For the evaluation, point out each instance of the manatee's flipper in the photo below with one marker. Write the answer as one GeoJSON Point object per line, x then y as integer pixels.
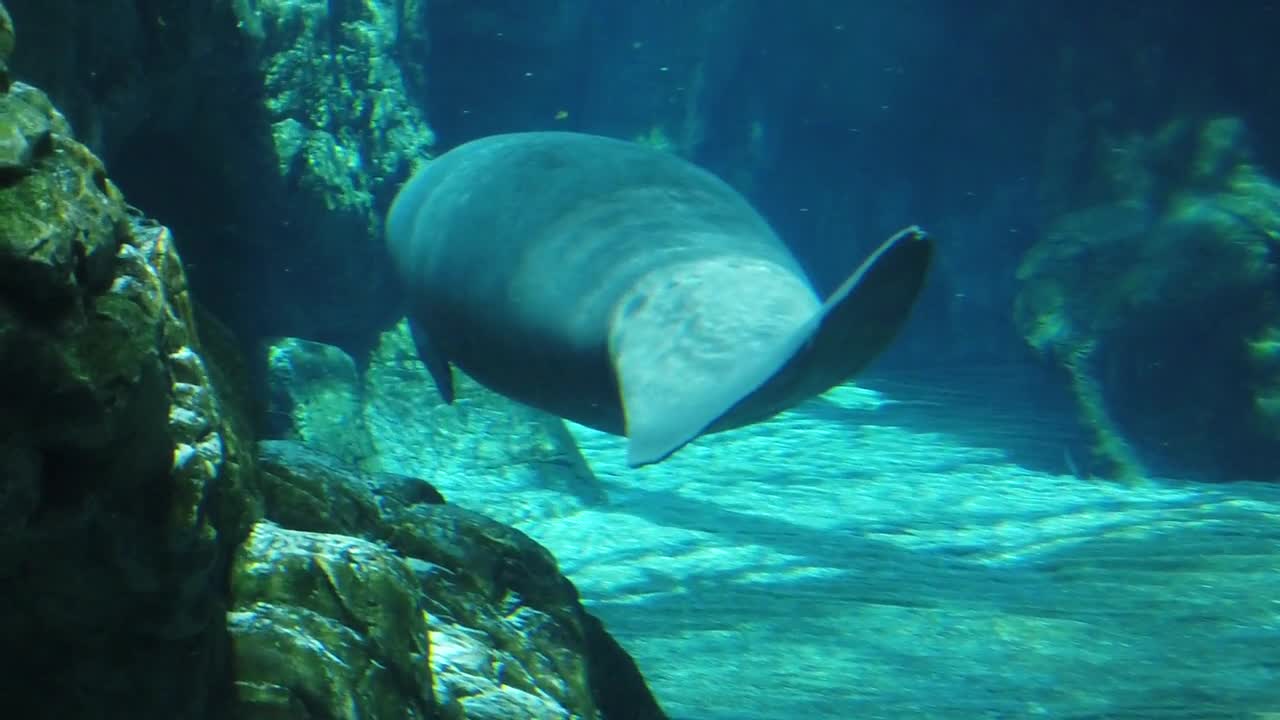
{"type": "Point", "coordinates": [857, 322]}
{"type": "Point", "coordinates": [437, 364]}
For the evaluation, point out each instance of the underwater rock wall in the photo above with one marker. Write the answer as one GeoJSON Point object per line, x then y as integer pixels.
{"type": "Point", "coordinates": [124, 480]}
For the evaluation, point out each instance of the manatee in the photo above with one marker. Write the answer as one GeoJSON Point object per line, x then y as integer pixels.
{"type": "Point", "coordinates": [626, 289]}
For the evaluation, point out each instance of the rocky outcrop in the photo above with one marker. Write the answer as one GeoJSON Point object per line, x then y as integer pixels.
{"type": "Point", "coordinates": [1161, 302]}
{"type": "Point", "coordinates": [487, 452]}
{"type": "Point", "coordinates": [345, 126]}
{"type": "Point", "coordinates": [124, 482]}
{"type": "Point", "coordinates": [403, 587]}
{"type": "Point", "coordinates": [315, 397]}
{"type": "Point", "coordinates": [326, 626]}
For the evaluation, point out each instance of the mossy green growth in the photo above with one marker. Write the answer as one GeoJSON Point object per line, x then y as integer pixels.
{"type": "Point", "coordinates": [317, 388]}
{"type": "Point", "coordinates": [7, 40]}
{"type": "Point", "coordinates": [118, 342]}
{"type": "Point", "coordinates": [1113, 454]}
{"type": "Point", "coordinates": [326, 621]}
{"type": "Point", "coordinates": [60, 217]}
{"type": "Point", "coordinates": [1264, 354]}
{"type": "Point", "coordinates": [1268, 406]}
{"type": "Point", "coordinates": [1222, 148]}
{"type": "Point", "coordinates": [1178, 252]}
{"type": "Point", "coordinates": [344, 125]}
{"type": "Point", "coordinates": [1264, 350]}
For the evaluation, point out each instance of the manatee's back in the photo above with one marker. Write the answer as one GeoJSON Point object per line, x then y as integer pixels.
{"type": "Point", "coordinates": [563, 205]}
{"type": "Point", "coordinates": [515, 249]}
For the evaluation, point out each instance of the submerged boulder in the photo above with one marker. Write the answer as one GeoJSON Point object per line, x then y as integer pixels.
{"type": "Point", "coordinates": [326, 626]}
{"type": "Point", "coordinates": [315, 397]}
{"type": "Point", "coordinates": [496, 628]}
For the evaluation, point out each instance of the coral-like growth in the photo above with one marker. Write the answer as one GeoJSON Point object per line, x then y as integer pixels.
{"type": "Point", "coordinates": [1163, 297]}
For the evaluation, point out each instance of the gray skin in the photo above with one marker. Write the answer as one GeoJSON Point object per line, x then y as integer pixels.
{"type": "Point", "coordinates": [625, 289]}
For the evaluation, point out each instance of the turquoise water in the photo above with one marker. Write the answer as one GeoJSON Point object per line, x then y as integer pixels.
{"type": "Point", "coordinates": [811, 567]}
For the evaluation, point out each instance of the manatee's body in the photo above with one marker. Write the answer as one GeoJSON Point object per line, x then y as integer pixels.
{"type": "Point", "coordinates": [623, 288]}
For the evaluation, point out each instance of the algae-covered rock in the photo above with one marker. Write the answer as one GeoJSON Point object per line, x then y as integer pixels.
{"type": "Point", "coordinates": [124, 483]}
{"type": "Point", "coordinates": [485, 452]}
{"type": "Point", "coordinates": [308, 489]}
{"type": "Point", "coordinates": [6, 45]}
{"type": "Point", "coordinates": [326, 626]}
{"type": "Point", "coordinates": [72, 241]}
{"type": "Point", "coordinates": [508, 636]}
{"type": "Point", "coordinates": [315, 397]}
{"type": "Point", "coordinates": [1160, 302]}
{"type": "Point", "coordinates": [343, 121]}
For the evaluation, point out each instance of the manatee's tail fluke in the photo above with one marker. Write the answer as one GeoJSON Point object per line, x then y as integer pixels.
{"type": "Point", "coordinates": [854, 325]}
{"type": "Point", "coordinates": [857, 322]}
